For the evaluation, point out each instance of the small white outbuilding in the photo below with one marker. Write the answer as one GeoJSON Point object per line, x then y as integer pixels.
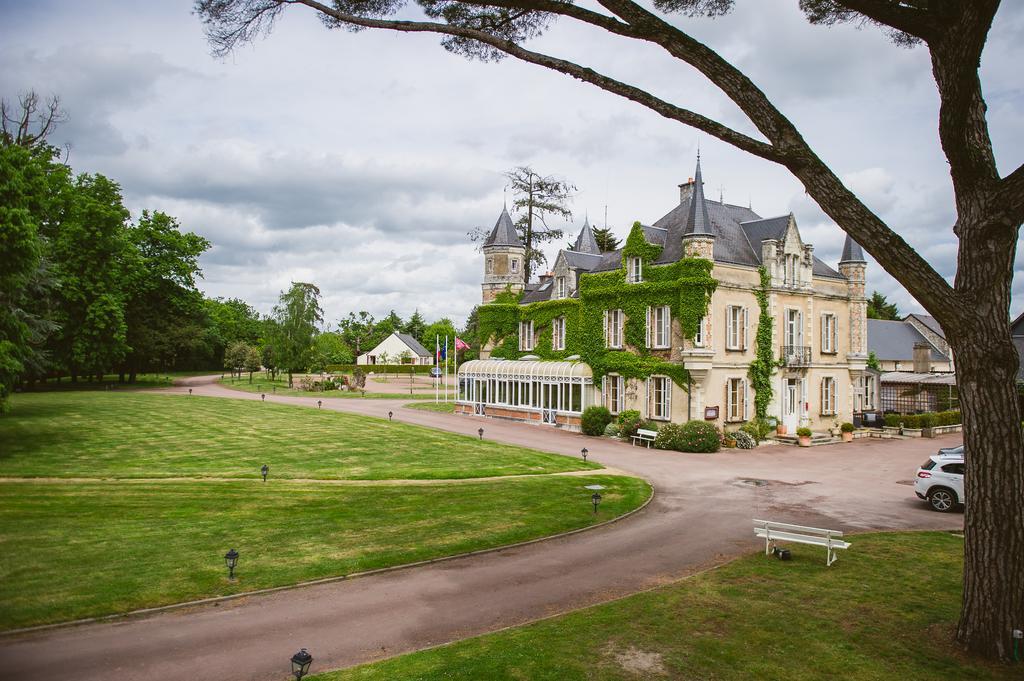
{"type": "Point", "coordinates": [398, 348]}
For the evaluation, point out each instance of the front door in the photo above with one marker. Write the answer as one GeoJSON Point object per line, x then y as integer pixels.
{"type": "Point", "coordinates": [791, 404]}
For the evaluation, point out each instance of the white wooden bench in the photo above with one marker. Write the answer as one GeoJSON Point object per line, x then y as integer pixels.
{"type": "Point", "coordinates": [815, 536]}
{"type": "Point", "coordinates": [647, 436]}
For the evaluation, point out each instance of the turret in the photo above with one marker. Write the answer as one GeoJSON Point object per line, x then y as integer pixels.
{"type": "Point", "coordinates": [698, 237]}
{"type": "Point", "coordinates": [504, 259]}
{"type": "Point", "coordinates": [853, 266]}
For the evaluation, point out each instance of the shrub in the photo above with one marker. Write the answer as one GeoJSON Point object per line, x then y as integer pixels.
{"type": "Point", "coordinates": [847, 427]}
{"type": "Point", "coordinates": [758, 429]}
{"type": "Point", "coordinates": [927, 420]}
{"type": "Point", "coordinates": [893, 420]}
{"type": "Point", "coordinates": [744, 440]}
{"type": "Point", "coordinates": [911, 421]}
{"type": "Point", "coordinates": [692, 436]}
{"type": "Point", "coordinates": [803, 431]}
{"type": "Point", "coordinates": [611, 430]}
{"type": "Point", "coordinates": [594, 420]}
{"type": "Point", "coordinates": [629, 421]}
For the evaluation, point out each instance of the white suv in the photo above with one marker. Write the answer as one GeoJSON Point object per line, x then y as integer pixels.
{"type": "Point", "coordinates": [941, 479]}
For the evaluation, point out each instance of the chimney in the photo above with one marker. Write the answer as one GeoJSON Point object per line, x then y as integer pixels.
{"type": "Point", "coordinates": [686, 191]}
{"type": "Point", "coordinates": [922, 358]}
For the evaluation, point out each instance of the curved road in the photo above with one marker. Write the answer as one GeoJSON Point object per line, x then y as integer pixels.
{"type": "Point", "coordinates": [700, 517]}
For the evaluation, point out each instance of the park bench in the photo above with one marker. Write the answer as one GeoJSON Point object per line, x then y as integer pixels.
{"type": "Point", "coordinates": [815, 536]}
{"type": "Point", "coordinates": [647, 436]}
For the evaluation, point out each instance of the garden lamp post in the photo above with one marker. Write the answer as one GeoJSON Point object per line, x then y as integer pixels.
{"type": "Point", "coordinates": [319, 403]}
{"type": "Point", "coordinates": [480, 433]}
{"type": "Point", "coordinates": [300, 663]}
{"type": "Point", "coordinates": [390, 414]}
{"type": "Point", "coordinates": [595, 499]}
{"type": "Point", "coordinates": [584, 452]}
{"type": "Point", "coordinates": [190, 391]}
{"type": "Point", "coordinates": [263, 397]}
{"type": "Point", "coordinates": [231, 560]}
{"type": "Point", "coordinates": [264, 471]}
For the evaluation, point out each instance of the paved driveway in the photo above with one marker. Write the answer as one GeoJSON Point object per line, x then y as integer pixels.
{"type": "Point", "coordinates": [700, 517]}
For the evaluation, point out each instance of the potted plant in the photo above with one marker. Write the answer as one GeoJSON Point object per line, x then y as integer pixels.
{"type": "Point", "coordinates": [847, 431]}
{"type": "Point", "coordinates": [804, 436]}
{"type": "Point", "coordinates": [780, 428]}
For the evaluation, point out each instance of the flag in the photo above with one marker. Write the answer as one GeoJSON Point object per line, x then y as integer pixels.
{"type": "Point", "coordinates": [460, 344]}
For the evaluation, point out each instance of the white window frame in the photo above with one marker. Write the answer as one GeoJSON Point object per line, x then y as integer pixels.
{"type": "Point", "coordinates": [829, 333]}
{"type": "Point", "coordinates": [869, 393]}
{"type": "Point", "coordinates": [736, 327]}
{"type": "Point", "coordinates": [560, 287]}
{"type": "Point", "coordinates": [659, 410]}
{"type": "Point", "coordinates": [558, 333]}
{"type": "Point", "coordinates": [634, 269]}
{"type": "Point", "coordinates": [797, 327]}
{"type": "Point", "coordinates": [514, 265]}
{"type": "Point", "coordinates": [828, 396]}
{"type": "Point", "coordinates": [526, 335]}
{"type": "Point", "coordinates": [659, 322]}
{"type": "Point", "coordinates": [698, 337]}
{"type": "Point", "coordinates": [736, 402]}
{"type": "Point", "coordinates": [614, 389]}
{"type": "Point", "coordinates": [614, 320]}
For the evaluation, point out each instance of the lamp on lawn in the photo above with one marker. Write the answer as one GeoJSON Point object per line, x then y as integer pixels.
{"type": "Point", "coordinates": [300, 663]}
{"type": "Point", "coordinates": [231, 560]}
{"type": "Point", "coordinates": [584, 452]}
{"type": "Point", "coordinates": [263, 397]}
{"type": "Point", "coordinates": [264, 471]}
{"type": "Point", "coordinates": [480, 433]}
{"type": "Point", "coordinates": [390, 414]}
{"type": "Point", "coordinates": [318, 403]}
{"type": "Point", "coordinates": [595, 499]}
{"type": "Point", "coordinates": [190, 391]}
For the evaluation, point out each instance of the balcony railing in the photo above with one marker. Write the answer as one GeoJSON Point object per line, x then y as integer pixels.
{"type": "Point", "coordinates": [795, 355]}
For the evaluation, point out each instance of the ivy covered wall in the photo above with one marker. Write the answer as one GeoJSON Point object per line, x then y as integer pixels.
{"type": "Point", "coordinates": [685, 286]}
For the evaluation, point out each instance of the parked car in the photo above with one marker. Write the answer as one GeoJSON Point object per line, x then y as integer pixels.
{"type": "Point", "coordinates": [940, 480]}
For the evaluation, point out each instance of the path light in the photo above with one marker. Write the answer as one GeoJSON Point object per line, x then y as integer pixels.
{"type": "Point", "coordinates": [190, 391]}
{"type": "Point", "coordinates": [300, 663]}
{"type": "Point", "coordinates": [480, 433]}
{"type": "Point", "coordinates": [263, 397]}
{"type": "Point", "coordinates": [318, 404]}
{"type": "Point", "coordinates": [264, 471]}
{"type": "Point", "coordinates": [390, 414]}
{"type": "Point", "coordinates": [231, 560]}
{"type": "Point", "coordinates": [595, 498]}
{"type": "Point", "coordinates": [584, 452]}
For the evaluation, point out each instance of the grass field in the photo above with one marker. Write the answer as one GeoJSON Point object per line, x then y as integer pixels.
{"type": "Point", "coordinates": [113, 501]}
{"type": "Point", "coordinates": [262, 384]}
{"type": "Point", "coordinates": [72, 550]}
{"type": "Point", "coordinates": [440, 407]}
{"type": "Point", "coordinates": [138, 435]}
{"type": "Point", "coordinates": [886, 610]}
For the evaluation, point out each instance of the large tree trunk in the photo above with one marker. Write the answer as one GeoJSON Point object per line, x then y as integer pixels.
{"type": "Point", "coordinates": [993, 598]}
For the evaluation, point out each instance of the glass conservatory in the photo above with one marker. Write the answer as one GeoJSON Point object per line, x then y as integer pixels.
{"type": "Point", "coordinates": [546, 391]}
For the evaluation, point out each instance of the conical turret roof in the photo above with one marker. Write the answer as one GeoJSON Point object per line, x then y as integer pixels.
{"type": "Point", "coordinates": [852, 252]}
{"type": "Point", "coordinates": [697, 220]}
{"type": "Point", "coordinates": [504, 232]}
{"type": "Point", "coordinates": [585, 242]}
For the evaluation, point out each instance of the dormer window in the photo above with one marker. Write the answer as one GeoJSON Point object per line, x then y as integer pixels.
{"type": "Point", "coordinates": [634, 270]}
{"type": "Point", "coordinates": [560, 287]}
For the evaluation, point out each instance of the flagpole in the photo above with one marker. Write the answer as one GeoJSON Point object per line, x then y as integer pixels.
{"type": "Point", "coordinates": [437, 352]}
{"type": "Point", "coordinates": [446, 367]}
{"type": "Point", "coordinates": [455, 397]}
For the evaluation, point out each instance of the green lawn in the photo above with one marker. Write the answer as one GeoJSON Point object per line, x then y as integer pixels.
{"type": "Point", "coordinates": [262, 384]}
{"type": "Point", "coordinates": [441, 407]}
{"type": "Point", "coordinates": [138, 435]}
{"type": "Point", "coordinates": [71, 550]}
{"type": "Point", "coordinates": [886, 610]}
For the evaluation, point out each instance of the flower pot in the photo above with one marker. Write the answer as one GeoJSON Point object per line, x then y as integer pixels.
{"type": "Point", "coordinates": [912, 432]}
{"type": "Point", "coordinates": [780, 429]}
{"type": "Point", "coordinates": [805, 440]}
{"type": "Point", "coordinates": [847, 437]}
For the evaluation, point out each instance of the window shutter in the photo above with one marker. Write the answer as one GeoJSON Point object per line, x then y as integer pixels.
{"type": "Point", "coordinates": [803, 397]}
{"type": "Point", "coordinates": [835, 333]}
{"type": "Point", "coordinates": [745, 316]}
{"type": "Point", "coordinates": [606, 334]}
{"type": "Point", "coordinates": [822, 391]}
{"type": "Point", "coordinates": [832, 400]}
{"type": "Point", "coordinates": [728, 400]}
{"type": "Point", "coordinates": [668, 397]}
{"type": "Point", "coordinates": [800, 329]}
{"type": "Point", "coordinates": [648, 400]}
{"type": "Point", "coordinates": [824, 332]}
{"type": "Point", "coordinates": [746, 401]}
{"type": "Point", "coordinates": [648, 327]}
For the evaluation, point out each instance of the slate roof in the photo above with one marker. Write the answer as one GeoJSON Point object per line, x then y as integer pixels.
{"type": "Point", "coordinates": [504, 232]}
{"type": "Point", "coordinates": [852, 252]}
{"type": "Point", "coordinates": [894, 340]}
{"type": "Point", "coordinates": [697, 220]}
{"type": "Point", "coordinates": [930, 322]}
{"type": "Point", "coordinates": [1017, 326]}
{"type": "Point", "coordinates": [585, 242]}
{"type": "Point", "coordinates": [769, 228]}
{"type": "Point", "coordinates": [536, 292]}
{"type": "Point", "coordinates": [414, 345]}
{"type": "Point", "coordinates": [583, 261]}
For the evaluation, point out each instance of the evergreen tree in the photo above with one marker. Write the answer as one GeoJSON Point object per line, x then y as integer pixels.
{"type": "Point", "coordinates": [606, 241]}
{"type": "Point", "coordinates": [537, 199]}
{"type": "Point", "coordinates": [880, 308]}
{"type": "Point", "coordinates": [415, 326]}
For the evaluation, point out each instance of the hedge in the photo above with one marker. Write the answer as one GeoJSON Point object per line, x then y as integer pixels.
{"type": "Point", "coordinates": [382, 368]}
{"type": "Point", "coordinates": [925, 420]}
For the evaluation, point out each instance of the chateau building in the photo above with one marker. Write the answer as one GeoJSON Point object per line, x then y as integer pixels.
{"type": "Point", "coordinates": [705, 314]}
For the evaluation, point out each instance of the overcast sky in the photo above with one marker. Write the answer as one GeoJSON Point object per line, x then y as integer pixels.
{"type": "Point", "coordinates": [360, 161]}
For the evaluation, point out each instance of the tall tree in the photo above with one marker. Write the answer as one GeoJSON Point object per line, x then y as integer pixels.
{"type": "Point", "coordinates": [974, 310]}
{"type": "Point", "coordinates": [606, 240]}
{"type": "Point", "coordinates": [880, 308]}
{"type": "Point", "coordinates": [537, 198]}
{"type": "Point", "coordinates": [358, 331]}
{"type": "Point", "coordinates": [298, 315]}
{"type": "Point", "coordinates": [415, 326]}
